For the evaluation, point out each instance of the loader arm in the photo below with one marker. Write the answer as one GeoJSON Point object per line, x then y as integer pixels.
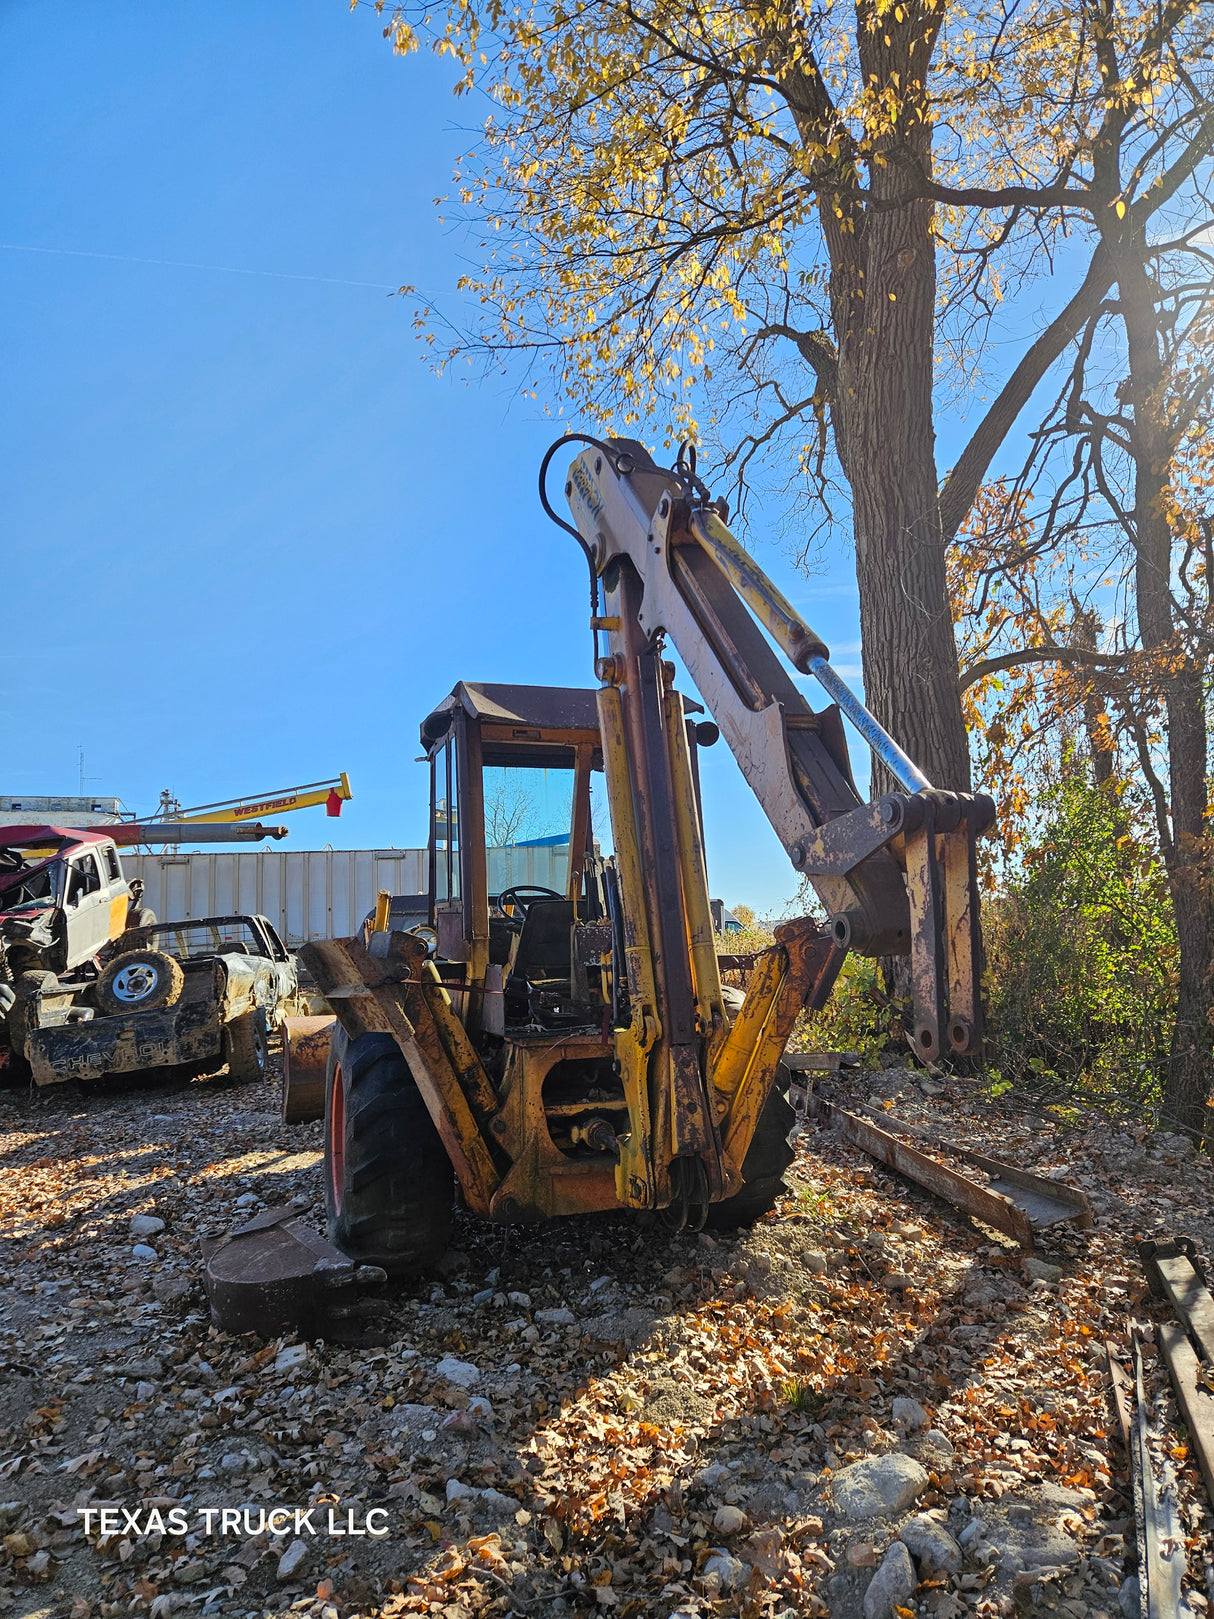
{"type": "Point", "coordinates": [896, 876]}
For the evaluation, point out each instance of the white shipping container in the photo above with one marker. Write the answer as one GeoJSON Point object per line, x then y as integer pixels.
{"type": "Point", "coordinates": [312, 894]}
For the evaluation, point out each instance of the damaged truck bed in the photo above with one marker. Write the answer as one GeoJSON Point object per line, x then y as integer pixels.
{"type": "Point", "coordinates": [235, 977]}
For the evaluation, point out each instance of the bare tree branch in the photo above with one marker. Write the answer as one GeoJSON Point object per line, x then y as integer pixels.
{"type": "Point", "coordinates": [963, 482]}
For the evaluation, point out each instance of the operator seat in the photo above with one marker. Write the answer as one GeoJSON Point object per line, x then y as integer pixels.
{"type": "Point", "coordinates": [544, 955]}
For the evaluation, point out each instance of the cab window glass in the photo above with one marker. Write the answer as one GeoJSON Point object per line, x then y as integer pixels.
{"type": "Point", "coordinates": [83, 879]}
{"type": "Point", "coordinates": [113, 869]}
{"type": "Point", "coordinates": [445, 828]}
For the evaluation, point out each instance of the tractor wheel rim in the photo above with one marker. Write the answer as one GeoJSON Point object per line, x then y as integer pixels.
{"type": "Point", "coordinates": [337, 1140]}
{"type": "Point", "coordinates": [136, 982]}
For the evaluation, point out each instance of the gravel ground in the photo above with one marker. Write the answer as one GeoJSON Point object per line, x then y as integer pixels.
{"type": "Point", "coordinates": [865, 1406]}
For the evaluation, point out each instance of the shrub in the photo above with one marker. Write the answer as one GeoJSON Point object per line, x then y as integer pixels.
{"type": "Point", "coordinates": [1081, 949]}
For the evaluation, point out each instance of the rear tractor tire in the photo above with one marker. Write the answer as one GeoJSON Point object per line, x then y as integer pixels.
{"type": "Point", "coordinates": [139, 981]}
{"type": "Point", "coordinates": [248, 1046]}
{"type": "Point", "coordinates": [767, 1158]}
{"type": "Point", "coordinates": [389, 1184]}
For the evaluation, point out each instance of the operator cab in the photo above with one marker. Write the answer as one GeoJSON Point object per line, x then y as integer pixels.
{"type": "Point", "coordinates": [522, 886]}
{"type": "Point", "coordinates": [517, 875]}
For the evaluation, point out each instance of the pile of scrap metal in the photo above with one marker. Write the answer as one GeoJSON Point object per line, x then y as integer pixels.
{"type": "Point", "coordinates": [1186, 1349]}
{"type": "Point", "coordinates": [1187, 1345]}
{"type": "Point", "coordinates": [1011, 1200]}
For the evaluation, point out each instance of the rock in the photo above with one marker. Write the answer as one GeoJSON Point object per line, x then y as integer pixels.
{"type": "Point", "coordinates": [144, 1392]}
{"type": "Point", "coordinates": [460, 1422]}
{"type": "Point", "coordinates": [292, 1559]}
{"type": "Point", "coordinates": [457, 1490]}
{"type": "Point", "coordinates": [727, 1520]}
{"type": "Point", "coordinates": [931, 1545]}
{"type": "Point", "coordinates": [974, 1530]}
{"type": "Point", "coordinates": [909, 1415]}
{"type": "Point", "coordinates": [1057, 1551]}
{"type": "Point", "coordinates": [729, 1572]}
{"type": "Point", "coordinates": [145, 1225]}
{"type": "Point", "coordinates": [142, 1251]}
{"type": "Point", "coordinates": [938, 1441]}
{"type": "Point", "coordinates": [1020, 1512]}
{"type": "Point", "coordinates": [1060, 1495]}
{"type": "Point", "coordinates": [815, 1262]}
{"type": "Point", "coordinates": [18, 1544]}
{"type": "Point", "coordinates": [556, 1318]}
{"type": "Point", "coordinates": [170, 1289]}
{"type": "Point", "coordinates": [1040, 1271]}
{"type": "Point", "coordinates": [879, 1486]}
{"type": "Point", "coordinates": [246, 1200]}
{"type": "Point", "coordinates": [522, 1300]}
{"type": "Point", "coordinates": [497, 1501]}
{"type": "Point", "coordinates": [892, 1586]}
{"type": "Point", "coordinates": [897, 1282]}
{"type": "Point", "coordinates": [1128, 1598]}
{"type": "Point", "coordinates": [291, 1358]}
{"type": "Point", "coordinates": [479, 1406]}
{"type": "Point", "coordinates": [485, 1296]}
{"type": "Point", "coordinates": [151, 1367]}
{"type": "Point", "coordinates": [234, 1462]}
{"type": "Point", "coordinates": [861, 1554]}
{"type": "Point", "coordinates": [461, 1372]}
{"type": "Point", "coordinates": [1175, 1146]}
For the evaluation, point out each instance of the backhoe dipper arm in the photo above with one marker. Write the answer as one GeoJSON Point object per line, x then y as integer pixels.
{"type": "Point", "coordinates": [896, 876]}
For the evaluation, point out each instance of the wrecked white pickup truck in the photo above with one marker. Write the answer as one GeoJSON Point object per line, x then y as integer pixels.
{"type": "Point", "coordinates": [187, 996]}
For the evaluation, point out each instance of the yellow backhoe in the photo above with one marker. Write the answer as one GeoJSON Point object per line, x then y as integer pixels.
{"type": "Point", "coordinates": [569, 1047]}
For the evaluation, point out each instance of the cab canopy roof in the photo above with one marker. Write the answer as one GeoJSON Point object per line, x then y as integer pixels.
{"type": "Point", "coordinates": [17, 837]}
{"type": "Point", "coordinates": [537, 708]}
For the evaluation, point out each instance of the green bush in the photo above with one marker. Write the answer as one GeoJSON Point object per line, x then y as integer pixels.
{"type": "Point", "coordinates": [1081, 950]}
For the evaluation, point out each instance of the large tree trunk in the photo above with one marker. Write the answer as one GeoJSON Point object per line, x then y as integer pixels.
{"type": "Point", "coordinates": [883, 299]}
{"type": "Point", "coordinates": [889, 457]}
{"type": "Point", "coordinates": [1187, 1091]}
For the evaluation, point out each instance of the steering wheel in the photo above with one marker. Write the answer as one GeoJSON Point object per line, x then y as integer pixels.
{"type": "Point", "coordinates": [522, 896]}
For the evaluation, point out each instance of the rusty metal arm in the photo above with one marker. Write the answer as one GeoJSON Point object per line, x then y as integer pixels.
{"type": "Point", "coordinates": [369, 993]}
{"type": "Point", "coordinates": [897, 877]}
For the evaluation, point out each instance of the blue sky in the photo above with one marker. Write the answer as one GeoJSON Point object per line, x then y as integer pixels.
{"type": "Point", "coordinates": [253, 538]}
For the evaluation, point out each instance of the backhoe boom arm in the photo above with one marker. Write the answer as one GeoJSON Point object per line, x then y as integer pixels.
{"type": "Point", "coordinates": [896, 876]}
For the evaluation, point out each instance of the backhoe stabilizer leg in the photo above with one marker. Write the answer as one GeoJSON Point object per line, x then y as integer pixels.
{"type": "Point", "coordinates": [797, 975]}
{"type": "Point", "coordinates": [945, 958]}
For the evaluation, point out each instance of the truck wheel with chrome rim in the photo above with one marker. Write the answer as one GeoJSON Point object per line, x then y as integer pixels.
{"type": "Point", "coordinates": [139, 981]}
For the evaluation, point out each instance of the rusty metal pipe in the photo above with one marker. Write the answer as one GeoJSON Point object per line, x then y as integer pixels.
{"type": "Point", "coordinates": [127, 834]}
